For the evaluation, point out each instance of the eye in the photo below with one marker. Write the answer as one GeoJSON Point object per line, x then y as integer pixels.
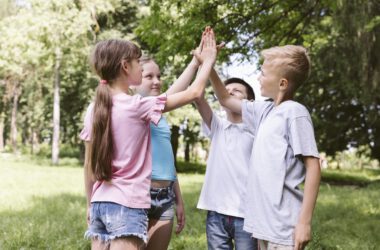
{"type": "Point", "coordinates": [148, 76]}
{"type": "Point", "coordinates": [159, 77]}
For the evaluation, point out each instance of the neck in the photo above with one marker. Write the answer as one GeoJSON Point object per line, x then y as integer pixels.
{"type": "Point", "coordinates": [119, 86]}
{"type": "Point", "coordinates": [282, 97]}
{"type": "Point", "coordinates": [233, 117]}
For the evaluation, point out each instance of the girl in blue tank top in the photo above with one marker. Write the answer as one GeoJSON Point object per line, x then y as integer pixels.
{"type": "Point", "coordinates": [165, 190]}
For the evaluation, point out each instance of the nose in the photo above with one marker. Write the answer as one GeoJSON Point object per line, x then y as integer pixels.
{"type": "Point", "coordinates": [156, 81]}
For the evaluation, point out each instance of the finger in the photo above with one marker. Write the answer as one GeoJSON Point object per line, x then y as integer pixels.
{"type": "Point", "coordinates": [197, 55]}
{"type": "Point", "coordinates": [220, 46]}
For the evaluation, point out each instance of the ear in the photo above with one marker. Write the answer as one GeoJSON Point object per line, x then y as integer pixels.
{"type": "Point", "coordinates": [284, 84]}
{"type": "Point", "coordinates": [125, 66]}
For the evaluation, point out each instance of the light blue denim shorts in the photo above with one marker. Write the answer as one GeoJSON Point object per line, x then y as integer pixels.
{"type": "Point", "coordinates": [109, 221]}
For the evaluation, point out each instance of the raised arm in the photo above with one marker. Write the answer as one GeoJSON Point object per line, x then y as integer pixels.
{"type": "Point", "coordinates": [208, 56]}
{"type": "Point", "coordinates": [225, 99]}
{"type": "Point", "coordinates": [204, 110]}
{"type": "Point", "coordinates": [187, 75]}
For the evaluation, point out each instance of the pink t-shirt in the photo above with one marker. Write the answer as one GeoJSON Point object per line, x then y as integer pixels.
{"type": "Point", "coordinates": [132, 161]}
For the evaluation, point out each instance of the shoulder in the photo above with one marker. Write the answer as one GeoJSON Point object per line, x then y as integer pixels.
{"type": "Point", "coordinates": [295, 110]}
{"type": "Point", "coordinates": [257, 106]}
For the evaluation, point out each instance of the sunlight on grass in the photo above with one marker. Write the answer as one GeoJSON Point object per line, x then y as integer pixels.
{"type": "Point", "coordinates": [43, 207]}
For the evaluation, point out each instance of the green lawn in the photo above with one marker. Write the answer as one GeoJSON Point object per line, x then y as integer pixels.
{"type": "Point", "coordinates": [43, 207]}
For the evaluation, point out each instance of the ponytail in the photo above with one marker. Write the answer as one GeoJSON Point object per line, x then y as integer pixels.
{"type": "Point", "coordinates": [102, 142]}
{"type": "Point", "coordinates": [106, 61]}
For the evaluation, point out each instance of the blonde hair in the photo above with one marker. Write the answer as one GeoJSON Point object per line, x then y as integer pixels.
{"type": "Point", "coordinates": [292, 61]}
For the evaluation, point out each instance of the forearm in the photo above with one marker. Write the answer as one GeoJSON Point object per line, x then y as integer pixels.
{"type": "Point", "coordinates": [184, 79]}
{"type": "Point", "coordinates": [204, 110]}
{"type": "Point", "coordinates": [224, 98]}
{"type": "Point", "coordinates": [312, 181]}
{"type": "Point", "coordinates": [177, 192]}
{"type": "Point", "coordinates": [220, 90]}
{"type": "Point", "coordinates": [193, 92]}
{"type": "Point", "coordinates": [88, 176]}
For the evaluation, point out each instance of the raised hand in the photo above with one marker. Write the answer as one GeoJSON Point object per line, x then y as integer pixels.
{"type": "Point", "coordinates": [209, 51]}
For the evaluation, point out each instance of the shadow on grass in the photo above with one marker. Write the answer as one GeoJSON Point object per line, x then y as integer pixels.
{"type": "Point", "coordinates": [56, 222]}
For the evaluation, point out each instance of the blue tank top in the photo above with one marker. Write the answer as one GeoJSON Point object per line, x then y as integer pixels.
{"type": "Point", "coordinates": [162, 153]}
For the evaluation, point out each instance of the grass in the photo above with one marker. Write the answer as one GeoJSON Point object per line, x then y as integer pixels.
{"type": "Point", "coordinates": [43, 207]}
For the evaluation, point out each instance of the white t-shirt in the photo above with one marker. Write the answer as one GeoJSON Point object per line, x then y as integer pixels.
{"type": "Point", "coordinates": [227, 167]}
{"type": "Point", "coordinates": [283, 134]}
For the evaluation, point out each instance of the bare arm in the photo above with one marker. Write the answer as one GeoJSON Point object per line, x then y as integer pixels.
{"type": "Point", "coordinates": [224, 97]}
{"type": "Point", "coordinates": [208, 57]}
{"type": "Point", "coordinates": [205, 110]}
{"type": "Point", "coordinates": [88, 178]}
{"type": "Point", "coordinates": [180, 209]}
{"type": "Point", "coordinates": [302, 232]}
{"type": "Point", "coordinates": [185, 78]}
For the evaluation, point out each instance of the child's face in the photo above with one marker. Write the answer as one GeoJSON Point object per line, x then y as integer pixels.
{"type": "Point", "coordinates": [237, 90]}
{"type": "Point", "coordinates": [269, 80]}
{"type": "Point", "coordinates": [151, 80]}
{"type": "Point", "coordinates": [134, 75]}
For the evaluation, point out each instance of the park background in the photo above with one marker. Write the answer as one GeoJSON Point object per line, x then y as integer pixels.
{"type": "Point", "coordinates": [46, 84]}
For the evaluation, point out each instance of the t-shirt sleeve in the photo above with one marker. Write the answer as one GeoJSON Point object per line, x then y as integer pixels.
{"type": "Point", "coordinates": [85, 134]}
{"type": "Point", "coordinates": [248, 114]}
{"type": "Point", "coordinates": [301, 137]}
{"type": "Point", "coordinates": [150, 108]}
{"type": "Point", "coordinates": [215, 123]}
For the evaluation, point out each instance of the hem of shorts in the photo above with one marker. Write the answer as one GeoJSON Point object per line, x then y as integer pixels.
{"type": "Point", "coordinates": [261, 236]}
{"type": "Point", "coordinates": [106, 238]}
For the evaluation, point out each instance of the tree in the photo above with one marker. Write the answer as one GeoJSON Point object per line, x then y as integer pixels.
{"type": "Point", "coordinates": [342, 36]}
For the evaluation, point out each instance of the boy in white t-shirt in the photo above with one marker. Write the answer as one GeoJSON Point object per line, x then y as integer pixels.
{"type": "Point", "coordinates": [227, 169]}
{"type": "Point", "coordinates": [284, 154]}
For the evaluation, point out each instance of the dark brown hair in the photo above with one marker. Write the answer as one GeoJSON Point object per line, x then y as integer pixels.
{"type": "Point", "coordinates": [249, 89]}
{"type": "Point", "coordinates": [106, 60]}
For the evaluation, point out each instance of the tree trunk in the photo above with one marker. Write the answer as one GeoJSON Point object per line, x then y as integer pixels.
{"type": "Point", "coordinates": [2, 117]}
{"type": "Point", "coordinates": [174, 140]}
{"type": "Point", "coordinates": [56, 108]}
{"type": "Point", "coordinates": [16, 94]}
{"type": "Point", "coordinates": [187, 151]}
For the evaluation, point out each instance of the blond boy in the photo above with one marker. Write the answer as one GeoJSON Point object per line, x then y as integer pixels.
{"type": "Point", "coordinates": [284, 154]}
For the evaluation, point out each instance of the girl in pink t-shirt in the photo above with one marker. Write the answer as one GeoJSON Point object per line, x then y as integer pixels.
{"type": "Point", "coordinates": [118, 150]}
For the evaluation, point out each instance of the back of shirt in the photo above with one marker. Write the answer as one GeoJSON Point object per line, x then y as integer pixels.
{"type": "Point", "coordinates": [284, 134]}
{"type": "Point", "coordinates": [131, 160]}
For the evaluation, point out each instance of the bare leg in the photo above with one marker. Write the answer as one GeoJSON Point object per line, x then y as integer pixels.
{"type": "Point", "coordinates": [98, 245]}
{"type": "Point", "coordinates": [130, 243]}
{"type": "Point", "coordinates": [160, 232]}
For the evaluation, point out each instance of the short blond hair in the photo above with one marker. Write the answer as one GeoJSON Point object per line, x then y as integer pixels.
{"type": "Point", "coordinates": [292, 60]}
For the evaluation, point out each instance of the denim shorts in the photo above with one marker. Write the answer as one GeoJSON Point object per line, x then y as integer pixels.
{"type": "Point", "coordinates": [109, 221]}
{"type": "Point", "coordinates": [162, 203]}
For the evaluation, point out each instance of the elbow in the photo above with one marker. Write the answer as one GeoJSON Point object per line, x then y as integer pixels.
{"type": "Point", "coordinates": [196, 94]}
{"type": "Point", "coordinates": [223, 101]}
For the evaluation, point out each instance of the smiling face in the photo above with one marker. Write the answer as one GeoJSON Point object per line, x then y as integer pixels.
{"type": "Point", "coordinates": [151, 80]}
